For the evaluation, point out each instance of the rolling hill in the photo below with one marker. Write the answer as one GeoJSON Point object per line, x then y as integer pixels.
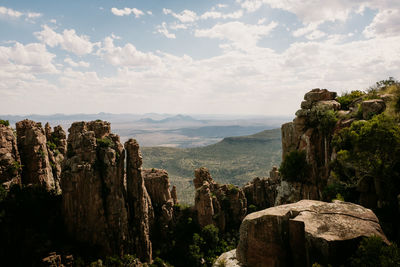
{"type": "Point", "coordinates": [234, 160]}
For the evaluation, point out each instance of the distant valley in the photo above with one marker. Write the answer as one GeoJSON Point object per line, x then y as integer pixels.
{"type": "Point", "coordinates": [234, 160]}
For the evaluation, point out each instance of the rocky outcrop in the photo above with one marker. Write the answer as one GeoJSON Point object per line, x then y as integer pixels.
{"type": "Point", "coordinates": [158, 187]}
{"type": "Point", "coordinates": [56, 148]}
{"type": "Point", "coordinates": [32, 146]}
{"type": "Point", "coordinates": [305, 133]}
{"type": "Point", "coordinates": [305, 232]}
{"type": "Point", "coordinates": [372, 107]}
{"type": "Point", "coordinates": [140, 207]}
{"type": "Point", "coordinates": [222, 205]}
{"type": "Point", "coordinates": [261, 192]}
{"type": "Point", "coordinates": [93, 199]}
{"type": "Point", "coordinates": [10, 163]}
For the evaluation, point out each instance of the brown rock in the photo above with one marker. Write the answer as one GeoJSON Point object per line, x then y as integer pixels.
{"type": "Point", "coordinates": [328, 104]}
{"type": "Point", "coordinates": [141, 212]}
{"type": "Point", "coordinates": [32, 146]}
{"type": "Point", "coordinates": [157, 185]}
{"type": "Point", "coordinates": [261, 192]}
{"type": "Point", "coordinates": [317, 94]}
{"type": "Point", "coordinates": [222, 205]}
{"type": "Point", "coordinates": [174, 195]}
{"type": "Point", "coordinates": [92, 182]}
{"type": "Point", "coordinates": [10, 163]}
{"type": "Point", "coordinates": [305, 232]}
{"type": "Point", "coordinates": [372, 107]}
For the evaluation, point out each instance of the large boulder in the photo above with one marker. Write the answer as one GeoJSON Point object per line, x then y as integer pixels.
{"type": "Point", "coordinates": [32, 146]}
{"type": "Point", "coordinates": [317, 94]}
{"type": "Point", "coordinates": [372, 107]}
{"type": "Point", "coordinates": [305, 232]}
{"type": "Point", "coordinates": [10, 163]}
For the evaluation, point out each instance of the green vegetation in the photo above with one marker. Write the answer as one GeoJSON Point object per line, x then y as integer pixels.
{"type": "Point", "coordinates": [5, 122]}
{"type": "Point", "coordinates": [347, 98]}
{"type": "Point", "coordinates": [294, 167]}
{"type": "Point", "coordinates": [104, 142]}
{"type": "Point", "coordinates": [234, 160]}
{"type": "Point", "coordinates": [372, 252]}
{"type": "Point", "coordinates": [189, 245]}
{"type": "Point", "coordinates": [51, 145]}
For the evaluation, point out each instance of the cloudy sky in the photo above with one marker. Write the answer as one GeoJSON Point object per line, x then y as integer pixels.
{"type": "Point", "coordinates": [181, 56]}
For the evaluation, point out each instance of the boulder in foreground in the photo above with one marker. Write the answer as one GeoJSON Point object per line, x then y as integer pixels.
{"type": "Point", "coordinates": [305, 232]}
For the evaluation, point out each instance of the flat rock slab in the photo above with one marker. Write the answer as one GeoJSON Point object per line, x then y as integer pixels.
{"type": "Point", "coordinates": [305, 232]}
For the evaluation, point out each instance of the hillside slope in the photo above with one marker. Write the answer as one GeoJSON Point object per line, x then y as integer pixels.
{"type": "Point", "coordinates": [234, 160]}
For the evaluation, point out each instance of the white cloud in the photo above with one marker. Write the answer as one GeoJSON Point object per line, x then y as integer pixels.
{"type": "Point", "coordinates": [220, 15]}
{"type": "Point", "coordinates": [127, 11]}
{"type": "Point", "coordinates": [149, 13]}
{"type": "Point", "coordinates": [10, 12]}
{"type": "Point", "coordinates": [127, 55]}
{"type": "Point", "coordinates": [68, 40]}
{"type": "Point", "coordinates": [243, 36]}
{"type": "Point", "coordinates": [385, 23]}
{"type": "Point", "coordinates": [14, 14]}
{"type": "Point", "coordinates": [76, 64]}
{"type": "Point", "coordinates": [32, 58]}
{"type": "Point", "coordinates": [163, 30]}
{"type": "Point", "coordinates": [185, 16]}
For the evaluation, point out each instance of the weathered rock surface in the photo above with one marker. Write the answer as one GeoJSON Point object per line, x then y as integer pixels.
{"type": "Point", "coordinates": [372, 107]}
{"type": "Point", "coordinates": [141, 212]}
{"type": "Point", "coordinates": [304, 134]}
{"type": "Point", "coordinates": [222, 205]}
{"type": "Point", "coordinates": [56, 148]}
{"type": "Point", "coordinates": [305, 232]}
{"type": "Point", "coordinates": [92, 182]}
{"type": "Point", "coordinates": [261, 192]}
{"type": "Point", "coordinates": [227, 259]}
{"type": "Point", "coordinates": [158, 187]}
{"type": "Point", "coordinates": [32, 146]}
{"type": "Point", "coordinates": [10, 163]}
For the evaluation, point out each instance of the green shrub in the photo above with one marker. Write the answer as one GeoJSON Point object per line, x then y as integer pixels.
{"type": "Point", "coordinates": [5, 122]}
{"type": "Point", "coordinates": [372, 251]}
{"type": "Point", "coordinates": [294, 166]}
{"type": "Point", "coordinates": [347, 98]}
{"type": "Point", "coordinates": [51, 145]}
{"type": "Point", "coordinates": [252, 208]}
{"type": "Point", "coordinates": [104, 142]}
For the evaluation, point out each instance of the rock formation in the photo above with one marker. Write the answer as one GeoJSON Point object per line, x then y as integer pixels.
{"type": "Point", "coordinates": [305, 232]}
{"type": "Point", "coordinates": [140, 207]}
{"type": "Point", "coordinates": [32, 146]}
{"type": "Point", "coordinates": [10, 163]}
{"type": "Point", "coordinates": [158, 187]}
{"type": "Point", "coordinates": [92, 182]}
{"type": "Point", "coordinates": [306, 134]}
{"type": "Point", "coordinates": [261, 192]}
{"type": "Point", "coordinates": [56, 148]}
{"type": "Point", "coordinates": [222, 205]}
{"type": "Point", "coordinates": [372, 107]}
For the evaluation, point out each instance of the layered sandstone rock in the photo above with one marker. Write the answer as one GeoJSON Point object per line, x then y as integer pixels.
{"type": "Point", "coordinates": [158, 187]}
{"type": "Point", "coordinates": [140, 207]}
{"type": "Point", "coordinates": [10, 163]}
{"type": "Point", "coordinates": [32, 146]}
{"type": "Point", "coordinates": [261, 192]}
{"type": "Point", "coordinates": [222, 205]}
{"type": "Point", "coordinates": [92, 182]}
{"type": "Point", "coordinates": [305, 134]}
{"type": "Point", "coordinates": [56, 148]}
{"type": "Point", "coordinates": [305, 232]}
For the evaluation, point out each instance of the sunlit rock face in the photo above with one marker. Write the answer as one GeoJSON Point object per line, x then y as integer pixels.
{"type": "Point", "coordinates": [222, 205]}
{"type": "Point", "coordinates": [32, 147]}
{"type": "Point", "coordinates": [305, 232]}
{"type": "Point", "coordinates": [141, 212]}
{"type": "Point", "coordinates": [93, 201]}
{"type": "Point", "coordinates": [10, 163]}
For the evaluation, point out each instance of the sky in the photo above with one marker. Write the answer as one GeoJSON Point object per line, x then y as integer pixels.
{"type": "Point", "coordinates": [191, 57]}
